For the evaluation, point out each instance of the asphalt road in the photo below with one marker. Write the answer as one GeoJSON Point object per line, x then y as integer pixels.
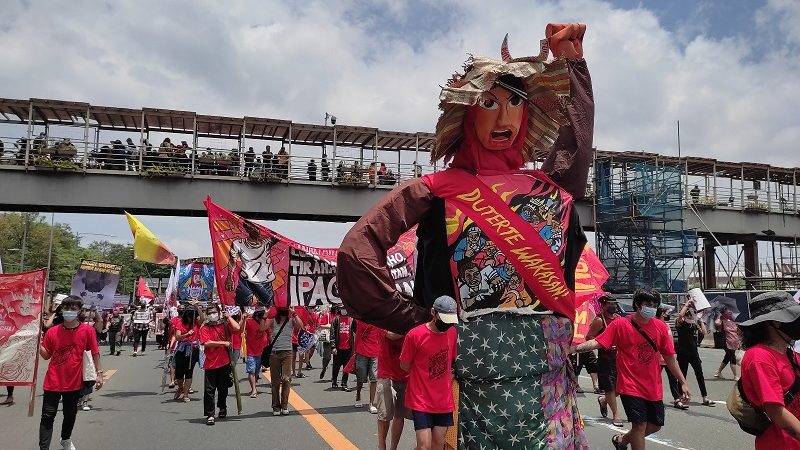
{"type": "Point", "coordinates": [131, 412]}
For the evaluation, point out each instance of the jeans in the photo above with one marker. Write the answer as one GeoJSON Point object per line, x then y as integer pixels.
{"type": "Point", "coordinates": [339, 360]}
{"type": "Point", "coordinates": [50, 401]}
{"type": "Point", "coordinates": [246, 289]}
{"type": "Point", "coordinates": [280, 371]}
{"type": "Point", "coordinates": [216, 381]}
{"type": "Point", "coordinates": [112, 339]}
{"type": "Point", "coordinates": [139, 335]}
{"type": "Point", "coordinates": [693, 358]}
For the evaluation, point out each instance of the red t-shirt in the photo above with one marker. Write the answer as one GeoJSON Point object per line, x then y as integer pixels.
{"type": "Point", "coordinates": [766, 375]}
{"type": "Point", "coordinates": [389, 360]}
{"type": "Point", "coordinates": [66, 347]}
{"type": "Point", "coordinates": [325, 319]}
{"type": "Point", "coordinates": [638, 366]}
{"type": "Point", "coordinates": [368, 339]}
{"type": "Point", "coordinates": [216, 357]}
{"type": "Point", "coordinates": [183, 329]}
{"type": "Point", "coordinates": [256, 339]}
{"type": "Point", "coordinates": [305, 317]}
{"type": "Point", "coordinates": [343, 340]}
{"type": "Point", "coordinates": [236, 339]}
{"type": "Point", "coordinates": [431, 356]}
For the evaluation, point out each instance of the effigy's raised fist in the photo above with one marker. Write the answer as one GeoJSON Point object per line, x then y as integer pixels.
{"type": "Point", "coordinates": [566, 39]}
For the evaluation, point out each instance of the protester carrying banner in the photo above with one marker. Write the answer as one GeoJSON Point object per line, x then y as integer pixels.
{"type": "Point", "coordinates": [341, 345]}
{"type": "Point", "coordinates": [280, 358]}
{"type": "Point", "coordinates": [236, 327]}
{"type": "Point", "coordinates": [256, 334]}
{"type": "Point", "coordinates": [391, 391]}
{"type": "Point", "coordinates": [113, 328]}
{"type": "Point", "coordinates": [690, 330]}
{"type": "Point", "coordinates": [367, 347]}
{"type": "Point", "coordinates": [140, 327]}
{"type": "Point", "coordinates": [63, 381]}
{"type": "Point", "coordinates": [217, 364]}
{"type": "Point", "coordinates": [311, 328]}
{"type": "Point", "coordinates": [428, 353]}
{"type": "Point", "coordinates": [297, 354]}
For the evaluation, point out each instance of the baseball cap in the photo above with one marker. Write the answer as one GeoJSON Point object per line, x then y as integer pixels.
{"type": "Point", "coordinates": [447, 309]}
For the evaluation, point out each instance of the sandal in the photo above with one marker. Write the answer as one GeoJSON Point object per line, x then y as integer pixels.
{"type": "Point", "coordinates": [616, 443]}
{"type": "Point", "coordinates": [603, 407]}
{"type": "Point", "coordinates": [253, 395]}
{"type": "Point", "coordinates": [679, 405]}
{"type": "Point", "coordinates": [597, 391]}
{"type": "Point", "coordinates": [708, 402]}
{"type": "Point", "coordinates": [618, 423]}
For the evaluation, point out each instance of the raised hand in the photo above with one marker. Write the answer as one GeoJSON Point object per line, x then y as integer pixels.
{"type": "Point", "coordinates": [566, 39]}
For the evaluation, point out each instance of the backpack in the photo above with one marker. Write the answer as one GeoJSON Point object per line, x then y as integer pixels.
{"type": "Point", "coordinates": [753, 420]}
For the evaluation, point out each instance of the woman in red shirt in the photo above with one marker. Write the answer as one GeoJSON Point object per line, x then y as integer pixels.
{"type": "Point", "coordinates": [767, 371]}
{"type": "Point", "coordinates": [187, 351]}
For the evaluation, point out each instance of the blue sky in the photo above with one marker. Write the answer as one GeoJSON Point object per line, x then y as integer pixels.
{"type": "Point", "coordinates": [716, 66]}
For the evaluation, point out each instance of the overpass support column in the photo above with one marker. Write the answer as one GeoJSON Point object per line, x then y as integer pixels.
{"type": "Point", "coordinates": [751, 261]}
{"type": "Point", "coordinates": [709, 264]}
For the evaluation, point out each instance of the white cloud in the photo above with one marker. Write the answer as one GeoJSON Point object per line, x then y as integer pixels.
{"type": "Point", "coordinates": [372, 67]}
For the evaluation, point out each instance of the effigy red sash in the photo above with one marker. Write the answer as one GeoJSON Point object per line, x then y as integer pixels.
{"type": "Point", "coordinates": [522, 245]}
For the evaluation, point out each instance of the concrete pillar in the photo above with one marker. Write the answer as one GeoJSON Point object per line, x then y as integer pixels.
{"type": "Point", "coordinates": [751, 261]}
{"type": "Point", "coordinates": [709, 264]}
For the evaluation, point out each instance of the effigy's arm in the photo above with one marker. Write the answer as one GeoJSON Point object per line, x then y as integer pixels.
{"type": "Point", "coordinates": [365, 285]}
{"type": "Point", "coordinates": [571, 155]}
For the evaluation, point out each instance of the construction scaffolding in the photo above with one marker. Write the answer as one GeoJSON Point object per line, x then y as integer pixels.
{"type": "Point", "coordinates": [639, 223]}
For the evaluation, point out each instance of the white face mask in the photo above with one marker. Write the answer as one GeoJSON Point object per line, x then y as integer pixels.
{"type": "Point", "coordinates": [648, 312]}
{"type": "Point", "coordinates": [213, 317]}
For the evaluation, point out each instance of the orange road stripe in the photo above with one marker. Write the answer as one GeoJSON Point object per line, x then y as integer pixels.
{"type": "Point", "coordinates": [108, 374]}
{"type": "Point", "coordinates": [320, 424]}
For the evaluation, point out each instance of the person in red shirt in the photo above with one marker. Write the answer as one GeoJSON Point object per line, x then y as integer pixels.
{"type": "Point", "coordinates": [297, 363]}
{"type": "Point", "coordinates": [311, 327]}
{"type": "Point", "coordinates": [215, 338]}
{"type": "Point", "coordinates": [427, 355]}
{"type": "Point", "coordinates": [390, 392]}
{"type": "Point", "coordinates": [767, 372]}
{"type": "Point", "coordinates": [64, 346]}
{"type": "Point", "coordinates": [341, 345]}
{"type": "Point", "coordinates": [187, 351]}
{"type": "Point", "coordinates": [236, 327]}
{"type": "Point", "coordinates": [606, 360]}
{"type": "Point", "coordinates": [256, 332]}
{"type": "Point", "coordinates": [324, 321]}
{"type": "Point", "coordinates": [367, 346]}
{"type": "Point", "coordinates": [639, 340]}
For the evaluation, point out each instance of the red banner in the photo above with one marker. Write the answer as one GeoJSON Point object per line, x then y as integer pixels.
{"type": "Point", "coordinates": [143, 290]}
{"type": "Point", "coordinates": [589, 278]}
{"type": "Point", "coordinates": [21, 297]}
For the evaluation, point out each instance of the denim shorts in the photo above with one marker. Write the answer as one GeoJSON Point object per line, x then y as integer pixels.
{"type": "Point", "coordinates": [253, 364]}
{"type": "Point", "coordinates": [423, 420]}
{"type": "Point", "coordinates": [366, 368]}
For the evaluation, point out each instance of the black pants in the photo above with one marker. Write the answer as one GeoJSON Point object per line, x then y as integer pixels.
{"type": "Point", "coordinates": [339, 360]}
{"type": "Point", "coordinates": [585, 359]}
{"type": "Point", "coordinates": [49, 408]}
{"type": "Point", "coordinates": [137, 336]}
{"type": "Point", "coordinates": [674, 387]}
{"type": "Point", "coordinates": [10, 390]}
{"type": "Point", "coordinates": [685, 358]}
{"type": "Point", "coordinates": [112, 340]}
{"type": "Point", "coordinates": [216, 381]}
{"type": "Point", "coordinates": [730, 357]}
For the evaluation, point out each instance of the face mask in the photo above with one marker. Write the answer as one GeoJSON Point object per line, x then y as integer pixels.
{"type": "Point", "coordinates": [441, 326]}
{"type": "Point", "coordinates": [791, 329]}
{"type": "Point", "coordinates": [344, 313]}
{"type": "Point", "coordinates": [69, 316]}
{"type": "Point", "coordinates": [611, 311]}
{"type": "Point", "coordinates": [648, 312]}
{"type": "Point", "coordinates": [213, 317]}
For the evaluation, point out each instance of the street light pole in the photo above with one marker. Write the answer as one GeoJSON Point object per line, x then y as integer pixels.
{"type": "Point", "coordinates": [24, 242]}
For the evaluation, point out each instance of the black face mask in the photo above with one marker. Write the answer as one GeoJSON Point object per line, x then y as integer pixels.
{"type": "Point", "coordinates": [441, 326]}
{"type": "Point", "coordinates": [610, 311]}
{"type": "Point", "coordinates": [792, 330]}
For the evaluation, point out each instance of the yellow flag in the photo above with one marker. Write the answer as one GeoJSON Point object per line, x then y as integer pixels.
{"type": "Point", "coordinates": [146, 246]}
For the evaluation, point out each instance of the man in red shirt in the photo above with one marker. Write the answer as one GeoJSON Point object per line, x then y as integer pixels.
{"type": "Point", "coordinates": [65, 344]}
{"type": "Point", "coordinates": [391, 391]}
{"type": "Point", "coordinates": [256, 331]}
{"type": "Point", "coordinates": [639, 340]}
{"type": "Point", "coordinates": [324, 321]}
{"type": "Point", "coordinates": [368, 347]}
{"type": "Point", "coordinates": [341, 345]}
{"type": "Point", "coordinates": [215, 339]}
{"type": "Point", "coordinates": [428, 354]}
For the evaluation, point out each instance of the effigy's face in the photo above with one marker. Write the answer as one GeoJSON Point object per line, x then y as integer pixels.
{"type": "Point", "coordinates": [498, 118]}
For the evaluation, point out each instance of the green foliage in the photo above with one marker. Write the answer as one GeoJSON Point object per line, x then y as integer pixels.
{"type": "Point", "coordinates": [164, 171]}
{"type": "Point", "coordinates": [57, 164]}
{"type": "Point", "coordinates": [67, 252]}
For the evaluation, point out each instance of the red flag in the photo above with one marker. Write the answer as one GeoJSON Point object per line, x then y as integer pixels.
{"type": "Point", "coordinates": [589, 278]}
{"type": "Point", "coordinates": [142, 290]}
{"type": "Point", "coordinates": [21, 296]}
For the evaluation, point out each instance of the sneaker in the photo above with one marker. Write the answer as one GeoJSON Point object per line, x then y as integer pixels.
{"type": "Point", "coordinates": [308, 366]}
{"type": "Point", "coordinates": [334, 385]}
{"type": "Point", "coordinates": [134, 354]}
{"type": "Point", "coordinates": [284, 412]}
{"type": "Point", "coordinates": [67, 444]}
{"type": "Point", "coordinates": [301, 375]}
{"type": "Point", "coordinates": [373, 409]}
{"type": "Point", "coordinates": [223, 413]}
{"type": "Point", "coordinates": [186, 399]}
{"type": "Point", "coordinates": [118, 352]}
{"type": "Point", "coordinates": [359, 404]}
{"type": "Point", "coordinates": [276, 411]}
{"type": "Point", "coordinates": [210, 420]}
{"type": "Point", "coordinates": [87, 407]}
{"type": "Point", "coordinates": [347, 389]}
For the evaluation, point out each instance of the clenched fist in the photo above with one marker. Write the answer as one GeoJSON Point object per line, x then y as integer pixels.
{"type": "Point", "coordinates": [566, 39]}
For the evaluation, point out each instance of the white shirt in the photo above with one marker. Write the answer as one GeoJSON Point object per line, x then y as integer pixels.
{"type": "Point", "coordinates": [256, 260]}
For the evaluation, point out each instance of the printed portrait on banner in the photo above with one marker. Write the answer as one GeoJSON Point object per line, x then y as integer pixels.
{"type": "Point", "coordinates": [96, 283]}
{"type": "Point", "coordinates": [21, 297]}
{"type": "Point", "coordinates": [196, 281]}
